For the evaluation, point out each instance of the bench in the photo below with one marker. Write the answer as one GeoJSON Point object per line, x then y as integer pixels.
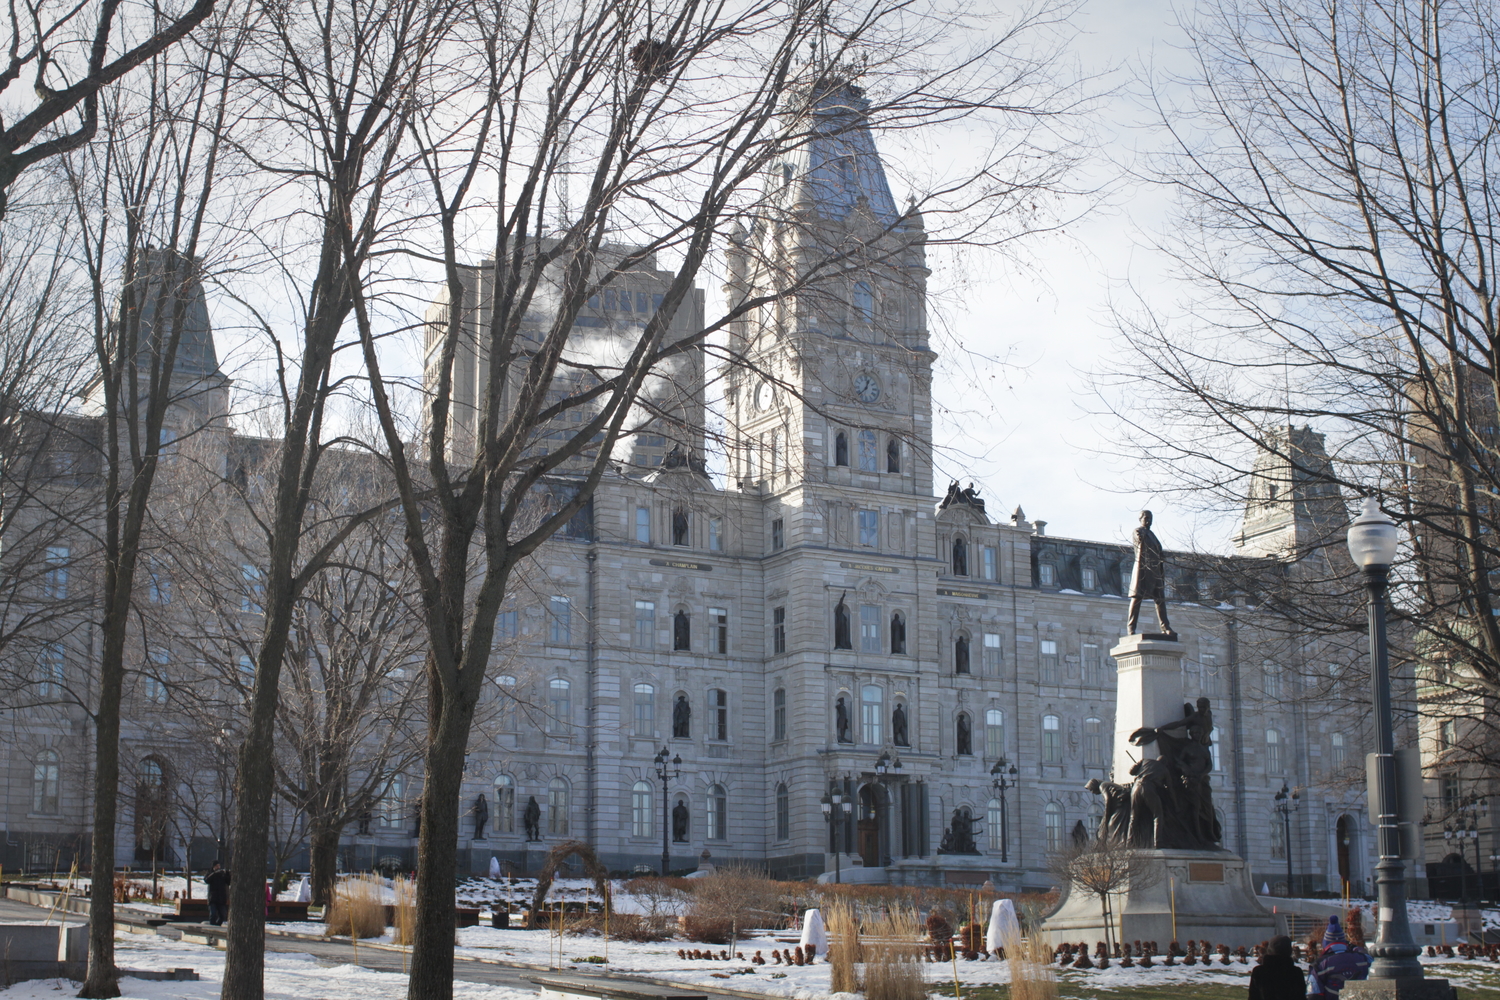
{"type": "Point", "coordinates": [468, 916]}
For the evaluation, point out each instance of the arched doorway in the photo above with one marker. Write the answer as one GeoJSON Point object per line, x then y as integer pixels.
{"type": "Point", "coordinates": [871, 813]}
{"type": "Point", "coordinates": [1343, 839]}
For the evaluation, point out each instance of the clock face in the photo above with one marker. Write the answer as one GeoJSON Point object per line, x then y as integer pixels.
{"type": "Point", "coordinates": [866, 389]}
{"type": "Point", "coordinates": [764, 395]}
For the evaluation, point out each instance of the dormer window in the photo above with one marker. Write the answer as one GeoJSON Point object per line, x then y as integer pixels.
{"type": "Point", "coordinates": [1047, 575]}
{"type": "Point", "coordinates": [1090, 578]}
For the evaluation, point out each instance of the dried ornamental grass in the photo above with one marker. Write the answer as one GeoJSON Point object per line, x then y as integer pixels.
{"type": "Point", "coordinates": [1031, 976]}
{"type": "Point", "coordinates": [357, 909]}
{"type": "Point", "coordinates": [893, 956]}
{"type": "Point", "coordinates": [406, 911]}
{"type": "Point", "coordinates": [843, 947]}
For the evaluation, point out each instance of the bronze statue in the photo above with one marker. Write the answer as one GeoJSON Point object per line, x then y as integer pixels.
{"type": "Point", "coordinates": [965, 735]}
{"type": "Point", "coordinates": [481, 816]}
{"type": "Point", "coordinates": [841, 718]}
{"type": "Point", "coordinates": [532, 817]}
{"type": "Point", "coordinates": [682, 714]}
{"type": "Point", "coordinates": [1148, 579]}
{"type": "Point", "coordinates": [1114, 828]}
{"type": "Point", "coordinates": [1170, 800]}
{"type": "Point", "coordinates": [958, 838]}
{"type": "Point", "coordinates": [680, 822]}
{"type": "Point", "coordinates": [898, 726]}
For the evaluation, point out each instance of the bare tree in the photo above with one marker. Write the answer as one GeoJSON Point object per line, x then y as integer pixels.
{"type": "Point", "coordinates": [1103, 867]}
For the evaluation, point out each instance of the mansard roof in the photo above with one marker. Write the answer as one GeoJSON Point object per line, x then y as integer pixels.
{"type": "Point", "coordinates": [196, 355]}
{"type": "Point", "coordinates": [837, 169]}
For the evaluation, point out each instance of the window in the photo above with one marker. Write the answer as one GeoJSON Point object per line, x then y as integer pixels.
{"type": "Point", "coordinates": [867, 451]}
{"type": "Point", "coordinates": [960, 557]}
{"type": "Point", "coordinates": [778, 535]}
{"type": "Point", "coordinates": [1210, 664]}
{"type": "Point", "coordinates": [255, 589]}
{"type": "Point", "coordinates": [506, 625]}
{"type": "Point", "coordinates": [893, 455]}
{"type": "Point", "coordinates": [642, 810]}
{"type": "Point", "coordinates": [718, 630]}
{"type": "Point", "coordinates": [872, 713]}
{"type": "Point", "coordinates": [841, 449]}
{"type": "Point", "coordinates": [898, 633]}
{"type": "Point", "coordinates": [562, 619]}
{"type": "Point", "coordinates": [1213, 748]}
{"type": "Point", "coordinates": [55, 581]}
{"type": "Point", "coordinates": [718, 701]}
{"type": "Point", "coordinates": [52, 673]}
{"type": "Point", "coordinates": [991, 562]}
{"type": "Point", "coordinates": [505, 804]}
{"type": "Point", "coordinates": [993, 654]}
{"type": "Point", "coordinates": [783, 813]}
{"type": "Point", "coordinates": [159, 587]}
{"type": "Point", "coordinates": [863, 301]}
{"type": "Point", "coordinates": [1335, 675]}
{"type": "Point", "coordinates": [716, 534]}
{"type": "Point", "coordinates": [1047, 575]}
{"type": "Point", "coordinates": [1054, 822]}
{"type": "Point", "coordinates": [1051, 739]}
{"type": "Point", "coordinates": [557, 807]}
{"type": "Point", "coordinates": [841, 626]}
{"type": "Point", "coordinates": [156, 690]}
{"type": "Point", "coordinates": [1049, 661]}
{"type": "Point", "coordinates": [778, 630]}
{"type": "Point", "coordinates": [1093, 742]}
{"type": "Point", "coordinates": [645, 710]}
{"type": "Point", "coordinates": [645, 624]}
{"type": "Point", "coordinates": [961, 655]}
{"type": "Point", "coordinates": [393, 804]}
{"type": "Point", "coordinates": [1090, 578]}
{"type": "Point", "coordinates": [506, 696]}
{"type": "Point", "coordinates": [1271, 673]}
{"type": "Point", "coordinates": [778, 714]}
{"type": "Point", "coordinates": [1447, 734]}
{"type": "Point", "coordinates": [560, 702]}
{"type": "Point", "coordinates": [1092, 675]}
{"type": "Point", "coordinates": [869, 528]}
{"type": "Point", "coordinates": [679, 526]}
{"type": "Point", "coordinates": [869, 628]}
{"type": "Point", "coordinates": [995, 824]}
{"type": "Point", "coordinates": [994, 733]}
{"type": "Point", "coordinates": [775, 455]}
{"type": "Point", "coordinates": [718, 813]}
{"type": "Point", "coordinates": [964, 735]}
{"type": "Point", "coordinates": [1273, 751]}
{"type": "Point", "coordinates": [682, 631]}
{"type": "Point", "coordinates": [643, 525]}
{"type": "Point", "coordinates": [1336, 756]}
{"type": "Point", "coordinates": [45, 796]}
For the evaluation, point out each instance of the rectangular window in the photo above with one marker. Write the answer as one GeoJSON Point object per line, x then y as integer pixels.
{"type": "Point", "coordinates": [718, 630]}
{"type": "Point", "coordinates": [643, 525]}
{"type": "Point", "coordinates": [1090, 578]}
{"type": "Point", "coordinates": [645, 624]}
{"type": "Point", "coordinates": [1048, 575]}
{"type": "Point", "coordinates": [1093, 742]}
{"type": "Point", "coordinates": [867, 451]}
{"type": "Point", "coordinates": [719, 700]}
{"type": "Point", "coordinates": [869, 528]}
{"type": "Point", "coordinates": [507, 625]}
{"type": "Point", "coordinates": [778, 535]}
{"type": "Point", "coordinates": [160, 588]}
{"type": "Point", "coordinates": [990, 561]}
{"type": "Point", "coordinates": [1210, 664]}
{"type": "Point", "coordinates": [994, 734]}
{"type": "Point", "coordinates": [992, 654]}
{"type": "Point", "coordinates": [716, 534]}
{"type": "Point", "coordinates": [1049, 661]}
{"type": "Point", "coordinates": [645, 710]}
{"type": "Point", "coordinates": [55, 583]}
{"type": "Point", "coordinates": [51, 671]}
{"type": "Point", "coordinates": [561, 631]}
{"type": "Point", "coordinates": [778, 630]}
{"type": "Point", "coordinates": [1051, 740]}
{"type": "Point", "coordinates": [255, 589]}
{"type": "Point", "coordinates": [778, 715]}
{"type": "Point", "coordinates": [1091, 670]}
{"type": "Point", "coordinates": [869, 628]}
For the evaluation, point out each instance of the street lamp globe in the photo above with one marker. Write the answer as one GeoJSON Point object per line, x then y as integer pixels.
{"type": "Point", "coordinates": [1372, 537]}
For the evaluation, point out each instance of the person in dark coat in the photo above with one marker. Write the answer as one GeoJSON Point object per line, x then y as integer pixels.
{"type": "Point", "coordinates": [1278, 976]}
{"type": "Point", "coordinates": [217, 881]}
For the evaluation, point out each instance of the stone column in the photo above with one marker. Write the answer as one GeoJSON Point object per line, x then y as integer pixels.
{"type": "Point", "coordinates": [1150, 694]}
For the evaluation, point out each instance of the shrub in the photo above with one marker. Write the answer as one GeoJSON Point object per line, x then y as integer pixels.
{"type": "Point", "coordinates": [357, 909]}
{"type": "Point", "coordinates": [708, 929]}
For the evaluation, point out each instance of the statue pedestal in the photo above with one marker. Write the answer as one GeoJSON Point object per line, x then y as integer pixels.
{"type": "Point", "coordinates": [1149, 694]}
{"type": "Point", "coordinates": [1205, 895]}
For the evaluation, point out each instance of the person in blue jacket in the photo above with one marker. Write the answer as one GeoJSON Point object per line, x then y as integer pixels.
{"type": "Point", "coordinates": [1339, 963]}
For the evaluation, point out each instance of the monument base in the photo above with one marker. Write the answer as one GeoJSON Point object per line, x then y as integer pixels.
{"type": "Point", "coordinates": [1405, 988]}
{"type": "Point", "coordinates": [1201, 895]}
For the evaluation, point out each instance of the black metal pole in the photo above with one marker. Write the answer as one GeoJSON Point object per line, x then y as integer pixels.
{"type": "Point", "coordinates": [1395, 951]}
{"type": "Point", "coordinates": [1004, 830]}
{"type": "Point", "coordinates": [1286, 832]}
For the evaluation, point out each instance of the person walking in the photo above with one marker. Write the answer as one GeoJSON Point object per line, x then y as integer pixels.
{"type": "Point", "coordinates": [217, 881]}
{"type": "Point", "coordinates": [1339, 963]}
{"type": "Point", "coordinates": [1278, 976]}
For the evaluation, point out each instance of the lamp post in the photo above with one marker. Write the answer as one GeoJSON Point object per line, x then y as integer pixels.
{"type": "Point", "coordinates": [1002, 776]}
{"type": "Point", "coordinates": [836, 807]}
{"type": "Point", "coordinates": [1287, 801]}
{"type": "Point", "coordinates": [1372, 545]}
{"type": "Point", "coordinates": [666, 771]}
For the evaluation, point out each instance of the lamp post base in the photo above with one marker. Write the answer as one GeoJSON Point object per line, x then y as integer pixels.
{"type": "Point", "coordinates": [1403, 988]}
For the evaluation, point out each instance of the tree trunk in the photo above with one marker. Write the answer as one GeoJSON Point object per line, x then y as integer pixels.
{"type": "Point", "coordinates": [101, 980]}
{"type": "Point", "coordinates": [324, 857]}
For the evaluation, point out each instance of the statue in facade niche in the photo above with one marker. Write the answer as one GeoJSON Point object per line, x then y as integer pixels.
{"type": "Point", "coordinates": [841, 720]}
{"type": "Point", "coordinates": [532, 818]}
{"type": "Point", "coordinates": [898, 726]}
{"type": "Point", "coordinates": [682, 715]}
{"type": "Point", "coordinates": [965, 736]}
{"type": "Point", "coordinates": [1148, 580]}
{"type": "Point", "coordinates": [680, 822]}
{"type": "Point", "coordinates": [481, 816]}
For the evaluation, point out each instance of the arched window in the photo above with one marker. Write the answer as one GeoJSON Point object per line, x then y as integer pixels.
{"type": "Point", "coordinates": [783, 813]}
{"type": "Point", "coordinates": [843, 637]}
{"type": "Point", "coordinates": [1337, 756]}
{"type": "Point", "coordinates": [679, 526]}
{"type": "Point", "coordinates": [718, 813]}
{"type": "Point", "coordinates": [560, 701]}
{"type": "Point", "coordinates": [964, 735]}
{"type": "Point", "coordinates": [995, 824]}
{"type": "Point", "coordinates": [994, 733]}
{"type": "Point", "coordinates": [960, 557]}
{"type": "Point", "coordinates": [505, 804]}
{"type": "Point", "coordinates": [898, 633]}
{"type": "Point", "coordinates": [682, 635]}
{"type": "Point", "coordinates": [1054, 822]}
{"type": "Point", "coordinates": [778, 714]}
{"type": "Point", "coordinates": [841, 449]}
{"type": "Point", "coordinates": [1273, 751]}
{"type": "Point", "coordinates": [867, 451]}
{"type": "Point", "coordinates": [642, 811]}
{"type": "Point", "coordinates": [872, 713]}
{"type": "Point", "coordinates": [645, 710]}
{"type": "Point", "coordinates": [557, 807]}
{"type": "Point", "coordinates": [893, 455]}
{"type": "Point", "coordinates": [961, 655]}
{"type": "Point", "coordinates": [863, 300]}
{"type": "Point", "coordinates": [1051, 739]}
{"type": "Point", "coordinates": [45, 786]}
